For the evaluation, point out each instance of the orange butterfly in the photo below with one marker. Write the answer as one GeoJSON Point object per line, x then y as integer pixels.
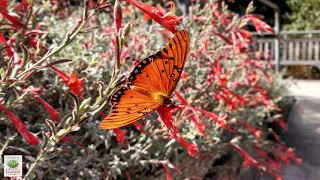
{"type": "Point", "coordinates": [150, 84]}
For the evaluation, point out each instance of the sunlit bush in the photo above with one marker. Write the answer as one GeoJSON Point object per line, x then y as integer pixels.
{"type": "Point", "coordinates": [226, 93]}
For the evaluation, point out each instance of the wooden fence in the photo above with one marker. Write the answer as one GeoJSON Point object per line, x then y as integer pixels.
{"type": "Point", "coordinates": [293, 50]}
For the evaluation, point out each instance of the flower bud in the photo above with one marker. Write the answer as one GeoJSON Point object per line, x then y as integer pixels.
{"type": "Point", "coordinates": [85, 104]}
{"type": "Point", "coordinates": [117, 15]}
{"type": "Point", "coordinates": [126, 29]}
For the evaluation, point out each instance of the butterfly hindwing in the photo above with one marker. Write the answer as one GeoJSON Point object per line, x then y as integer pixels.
{"type": "Point", "coordinates": [128, 106]}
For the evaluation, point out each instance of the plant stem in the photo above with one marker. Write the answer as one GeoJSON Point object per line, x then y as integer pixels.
{"type": "Point", "coordinates": [101, 102]}
{"type": "Point", "coordinates": [4, 147]}
{"type": "Point", "coordinates": [98, 105]}
{"type": "Point", "coordinates": [117, 57]}
{"type": "Point", "coordinates": [69, 38]}
{"type": "Point", "coordinates": [34, 166]}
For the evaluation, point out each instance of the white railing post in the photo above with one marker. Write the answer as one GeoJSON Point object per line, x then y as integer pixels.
{"type": "Point", "coordinates": [277, 40]}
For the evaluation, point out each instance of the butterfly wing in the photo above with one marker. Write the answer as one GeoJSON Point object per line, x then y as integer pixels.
{"type": "Point", "coordinates": [144, 75]}
{"type": "Point", "coordinates": [161, 72]}
{"type": "Point", "coordinates": [128, 106]}
{"type": "Point", "coordinates": [171, 60]}
{"type": "Point", "coordinates": [156, 73]}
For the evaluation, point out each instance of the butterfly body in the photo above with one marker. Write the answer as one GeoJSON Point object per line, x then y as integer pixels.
{"type": "Point", "coordinates": [157, 96]}
{"type": "Point", "coordinates": [150, 84]}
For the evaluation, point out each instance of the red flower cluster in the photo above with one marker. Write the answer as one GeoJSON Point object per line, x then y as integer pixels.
{"type": "Point", "coordinates": [167, 20]}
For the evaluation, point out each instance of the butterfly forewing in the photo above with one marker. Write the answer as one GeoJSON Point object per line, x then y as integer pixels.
{"type": "Point", "coordinates": [171, 59]}
{"type": "Point", "coordinates": [128, 107]}
{"type": "Point", "coordinates": [145, 76]}
{"type": "Point", "coordinates": [161, 72]}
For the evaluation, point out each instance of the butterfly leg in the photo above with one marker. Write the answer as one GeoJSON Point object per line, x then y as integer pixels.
{"type": "Point", "coordinates": [170, 104]}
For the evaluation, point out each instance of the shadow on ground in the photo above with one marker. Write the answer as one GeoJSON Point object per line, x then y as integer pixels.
{"type": "Point", "coordinates": [303, 134]}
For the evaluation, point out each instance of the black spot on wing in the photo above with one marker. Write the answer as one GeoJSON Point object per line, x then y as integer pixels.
{"type": "Point", "coordinates": [138, 69]}
{"type": "Point", "coordinates": [158, 53]}
{"type": "Point", "coordinates": [117, 95]}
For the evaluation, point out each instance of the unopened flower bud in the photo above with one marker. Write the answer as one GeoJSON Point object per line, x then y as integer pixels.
{"type": "Point", "coordinates": [126, 29]}
{"type": "Point", "coordinates": [85, 104]}
{"type": "Point", "coordinates": [117, 15]}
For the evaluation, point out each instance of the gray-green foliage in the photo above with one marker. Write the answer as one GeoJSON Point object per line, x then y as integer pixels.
{"type": "Point", "coordinates": [305, 15]}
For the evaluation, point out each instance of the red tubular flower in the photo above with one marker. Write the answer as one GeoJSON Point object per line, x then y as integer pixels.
{"type": "Point", "coordinates": [259, 24]}
{"type": "Point", "coordinates": [200, 18]}
{"type": "Point", "coordinates": [128, 175]}
{"type": "Point", "coordinates": [168, 20]}
{"type": "Point", "coordinates": [223, 37]}
{"type": "Point", "coordinates": [73, 82]}
{"type": "Point", "coordinates": [76, 84]}
{"type": "Point", "coordinates": [21, 128]}
{"type": "Point", "coordinates": [3, 4]}
{"type": "Point", "coordinates": [276, 136]}
{"type": "Point", "coordinates": [261, 152]}
{"type": "Point", "coordinates": [127, 10]}
{"type": "Point", "coordinates": [139, 126]}
{"type": "Point", "coordinates": [117, 15]}
{"type": "Point", "coordinates": [238, 97]}
{"type": "Point", "coordinates": [121, 136]}
{"type": "Point", "coordinates": [52, 112]}
{"type": "Point", "coordinates": [190, 116]}
{"type": "Point", "coordinates": [220, 120]}
{"type": "Point", "coordinates": [282, 124]}
{"type": "Point", "coordinates": [192, 148]}
{"type": "Point", "coordinates": [35, 90]}
{"type": "Point", "coordinates": [68, 139]}
{"type": "Point", "coordinates": [290, 153]}
{"type": "Point", "coordinates": [22, 6]}
{"type": "Point", "coordinates": [8, 49]}
{"type": "Point", "coordinates": [166, 117]}
{"type": "Point", "coordinates": [34, 43]}
{"type": "Point", "coordinates": [248, 160]}
{"type": "Point", "coordinates": [251, 129]}
{"type": "Point", "coordinates": [181, 99]}
{"type": "Point", "coordinates": [168, 175]}
{"type": "Point", "coordinates": [12, 19]}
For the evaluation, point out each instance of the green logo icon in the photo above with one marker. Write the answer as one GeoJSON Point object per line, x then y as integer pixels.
{"type": "Point", "coordinates": [12, 163]}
